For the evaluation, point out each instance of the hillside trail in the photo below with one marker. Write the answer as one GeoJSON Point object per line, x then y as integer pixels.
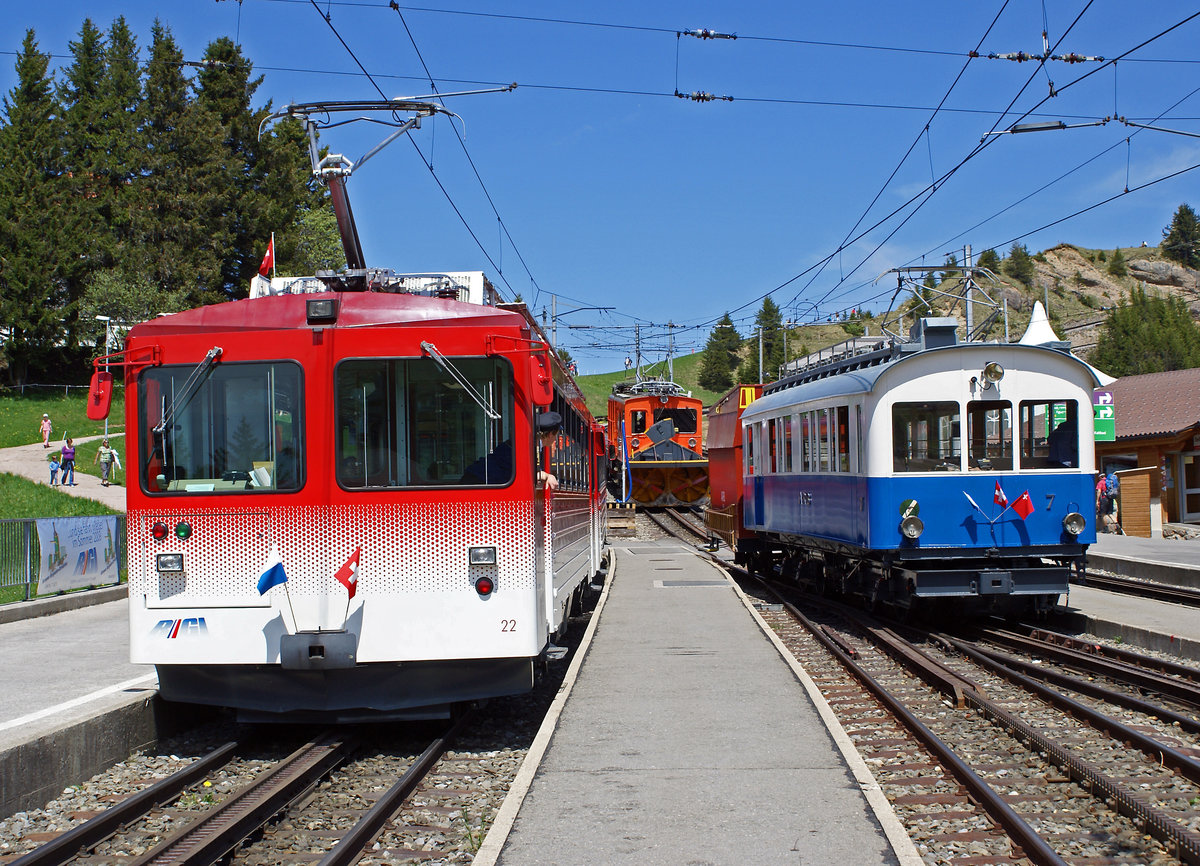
{"type": "Point", "coordinates": [29, 461]}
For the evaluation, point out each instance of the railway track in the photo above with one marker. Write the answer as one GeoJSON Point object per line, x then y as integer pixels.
{"type": "Point", "coordinates": [1144, 589]}
{"type": "Point", "coordinates": [363, 789]}
{"type": "Point", "coordinates": [1010, 747]}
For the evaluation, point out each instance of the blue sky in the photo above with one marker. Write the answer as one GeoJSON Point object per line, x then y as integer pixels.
{"type": "Point", "coordinates": [612, 192]}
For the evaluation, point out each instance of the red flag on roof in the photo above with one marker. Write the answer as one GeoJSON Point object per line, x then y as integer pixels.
{"type": "Point", "coordinates": [1023, 505]}
{"type": "Point", "coordinates": [347, 575]}
{"type": "Point", "coordinates": [269, 259]}
{"type": "Point", "coordinates": [999, 498]}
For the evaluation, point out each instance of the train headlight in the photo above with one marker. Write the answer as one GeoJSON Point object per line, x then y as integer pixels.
{"type": "Point", "coordinates": [484, 585]}
{"type": "Point", "coordinates": [172, 562]}
{"type": "Point", "coordinates": [634, 443]}
{"type": "Point", "coordinates": [159, 531]}
{"type": "Point", "coordinates": [692, 442]}
{"type": "Point", "coordinates": [992, 373]}
{"type": "Point", "coordinates": [912, 526]}
{"type": "Point", "coordinates": [1074, 523]}
{"type": "Point", "coordinates": [481, 556]}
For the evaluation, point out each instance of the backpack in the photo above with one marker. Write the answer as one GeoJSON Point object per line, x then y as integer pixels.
{"type": "Point", "coordinates": [1112, 484]}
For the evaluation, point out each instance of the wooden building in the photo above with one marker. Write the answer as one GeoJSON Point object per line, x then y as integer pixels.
{"type": "Point", "coordinates": [1157, 427]}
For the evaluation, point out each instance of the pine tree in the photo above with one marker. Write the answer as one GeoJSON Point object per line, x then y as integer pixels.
{"type": "Point", "coordinates": [769, 324]}
{"type": "Point", "coordinates": [720, 356]}
{"type": "Point", "coordinates": [1181, 239]}
{"type": "Point", "coordinates": [1019, 265]}
{"type": "Point", "coordinates": [1147, 334]}
{"type": "Point", "coordinates": [84, 232]}
{"type": "Point", "coordinates": [988, 259]}
{"type": "Point", "coordinates": [1116, 265]}
{"type": "Point", "coordinates": [33, 193]}
{"type": "Point", "coordinates": [181, 225]}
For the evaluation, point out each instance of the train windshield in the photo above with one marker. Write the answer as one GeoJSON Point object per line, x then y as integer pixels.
{"type": "Point", "coordinates": [407, 422]}
{"type": "Point", "coordinates": [926, 437]}
{"type": "Point", "coordinates": [237, 429]}
{"type": "Point", "coordinates": [1049, 434]}
{"type": "Point", "coordinates": [683, 419]}
{"type": "Point", "coordinates": [989, 432]}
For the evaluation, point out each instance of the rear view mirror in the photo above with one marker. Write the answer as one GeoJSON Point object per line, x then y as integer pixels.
{"type": "Point", "coordinates": [99, 395]}
{"type": "Point", "coordinates": [541, 379]}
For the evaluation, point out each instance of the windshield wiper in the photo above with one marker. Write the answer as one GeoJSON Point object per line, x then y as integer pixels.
{"type": "Point", "coordinates": [445, 364]}
{"type": "Point", "coordinates": [190, 386]}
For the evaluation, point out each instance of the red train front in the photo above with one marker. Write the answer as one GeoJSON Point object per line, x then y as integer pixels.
{"type": "Point", "coordinates": [334, 507]}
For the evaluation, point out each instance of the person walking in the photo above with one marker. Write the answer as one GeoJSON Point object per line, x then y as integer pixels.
{"type": "Point", "coordinates": [45, 428]}
{"type": "Point", "coordinates": [68, 464]}
{"type": "Point", "coordinates": [105, 457]}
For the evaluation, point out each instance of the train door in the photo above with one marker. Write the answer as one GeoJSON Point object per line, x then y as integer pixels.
{"type": "Point", "coordinates": [1189, 487]}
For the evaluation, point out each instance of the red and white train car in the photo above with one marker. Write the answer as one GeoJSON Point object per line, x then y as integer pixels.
{"type": "Point", "coordinates": [334, 505]}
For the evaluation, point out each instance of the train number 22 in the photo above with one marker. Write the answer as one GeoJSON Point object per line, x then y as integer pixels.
{"type": "Point", "coordinates": [508, 625]}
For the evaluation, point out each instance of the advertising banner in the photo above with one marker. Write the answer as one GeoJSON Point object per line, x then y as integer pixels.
{"type": "Point", "coordinates": [77, 552]}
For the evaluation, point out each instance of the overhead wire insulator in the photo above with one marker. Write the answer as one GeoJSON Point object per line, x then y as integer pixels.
{"type": "Point", "coordinates": [1018, 56]}
{"type": "Point", "coordinates": [705, 33]}
{"type": "Point", "coordinates": [1077, 58]}
{"type": "Point", "coordinates": [702, 96]}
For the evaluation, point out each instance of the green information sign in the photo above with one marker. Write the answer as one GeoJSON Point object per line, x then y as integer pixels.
{"type": "Point", "coordinates": [1105, 418]}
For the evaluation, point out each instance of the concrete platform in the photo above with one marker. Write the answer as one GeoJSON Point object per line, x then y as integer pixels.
{"type": "Point", "coordinates": [71, 703]}
{"type": "Point", "coordinates": [688, 739]}
{"type": "Point", "coordinates": [1156, 625]}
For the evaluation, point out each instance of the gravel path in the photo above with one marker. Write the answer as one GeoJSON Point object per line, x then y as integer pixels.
{"type": "Point", "coordinates": [29, 461]}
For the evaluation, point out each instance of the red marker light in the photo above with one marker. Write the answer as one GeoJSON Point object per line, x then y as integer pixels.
{"type": "Point", "coordinates": [484, 585]}
{"type": "Point", "coordinates": [159, 531]}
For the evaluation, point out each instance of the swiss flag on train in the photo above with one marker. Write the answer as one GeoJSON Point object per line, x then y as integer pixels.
{"type": "Point", "coordinates": [1023, 505]}
{"type": "Point", "coordinates": [347, 575]}
{"type": "Point", "coordinates": [999, 498]}
{"type": "Point", "coordinates": [269, 259]}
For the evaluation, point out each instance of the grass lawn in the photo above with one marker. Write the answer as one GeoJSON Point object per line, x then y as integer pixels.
{"type": "Point", "coordinates": [19, 421]}
{"type": "Point", "coordinates": [20, 417]}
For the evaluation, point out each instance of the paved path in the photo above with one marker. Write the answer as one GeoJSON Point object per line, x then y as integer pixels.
{"type": "Point", "coordinates": [29, 461]}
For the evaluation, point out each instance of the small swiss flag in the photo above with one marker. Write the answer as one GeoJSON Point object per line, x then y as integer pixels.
{"type": "Point", "coordinates": [347, 575]}
{"type": "Point", "coordinates": [998, 497]}
{"type": "Point", "coordinates": [1023, 505]}
{"type": "Point", "coordinates": [269, 259]}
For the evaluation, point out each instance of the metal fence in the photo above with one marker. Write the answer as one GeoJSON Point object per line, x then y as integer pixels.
{"type": "Point", "coordinates": [21, 552]}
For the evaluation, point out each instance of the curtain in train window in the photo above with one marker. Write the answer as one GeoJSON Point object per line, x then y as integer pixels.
{"type": "Point", "coordinates": [842, 414]}
{"type": "Point", "coordinates": [824, 440]}
{"type": "Point", "coordinates": [926, 437]}
{"type": "Point", "coordinates": [230, 428]}
{"type": "Point", "coordinates": [785, 454]}
{"type": "Point", "coordinates": [989, 435]}
{"type": "Point", "coordinates": [773, 445]}
{"type": "Point", "coordinates": [403, 422]}
{"type": "Point", "coordinates": [806, 442]}
{"type": "Point", "coordinates": [1049, 432]}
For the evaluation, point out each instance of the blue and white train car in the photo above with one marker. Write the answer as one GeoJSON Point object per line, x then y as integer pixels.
{"type": "Point", "coordinates": [927, 469]}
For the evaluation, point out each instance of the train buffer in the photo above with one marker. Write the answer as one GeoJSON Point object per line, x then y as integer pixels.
{"type": "Point", "coordinates": [621, 517]}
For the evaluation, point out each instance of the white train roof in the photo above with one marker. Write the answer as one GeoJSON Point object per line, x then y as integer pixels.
{"type": "Point", "coordinates": [858, 374]}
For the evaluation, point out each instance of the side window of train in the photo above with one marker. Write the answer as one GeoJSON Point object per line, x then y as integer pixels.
{"type": "Point", "coordinates": [989, 435]}
{"type": "Point", "coordinates": [843, 439]}
{"type": "Point", "coordinates": [747, 450]}
{"type": "Point", "coordinates": [926, 437]}
{"type": "Point", "coordinates": [806, 445]}
{"type": "Point", "coordinates": [1049, 431]}
{"type": "Point", "coordinates": [637, 421]}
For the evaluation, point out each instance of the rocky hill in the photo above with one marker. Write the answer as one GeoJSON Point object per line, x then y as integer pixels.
{"type": "Point", "coordinates": [1075, 284]}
